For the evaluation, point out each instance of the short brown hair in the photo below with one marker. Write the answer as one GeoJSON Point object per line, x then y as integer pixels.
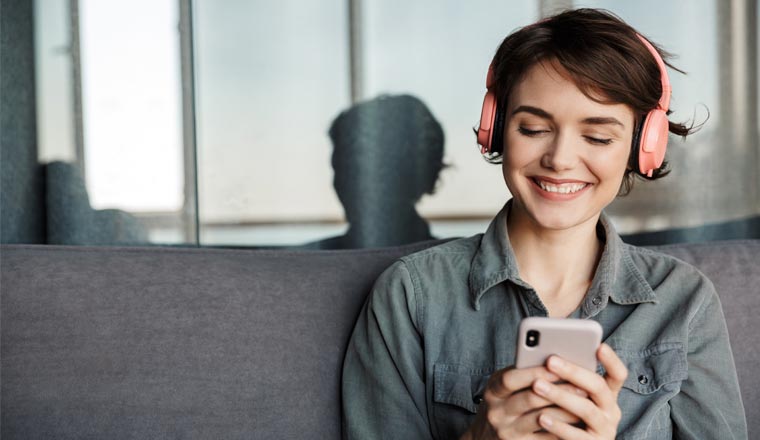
{"type": "Point", "coordinates": [604, 58]}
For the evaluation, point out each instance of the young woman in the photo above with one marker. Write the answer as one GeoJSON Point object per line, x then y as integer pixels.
{"type": "Point", "coordinates": [580, 103]}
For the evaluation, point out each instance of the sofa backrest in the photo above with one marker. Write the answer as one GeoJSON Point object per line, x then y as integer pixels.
{"type": "Point", "coordinates": [203, 343]}
{"type": "Point", "coordinates": [177, 343]}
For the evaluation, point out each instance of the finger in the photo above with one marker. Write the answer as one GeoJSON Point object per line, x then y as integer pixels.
{"type": "Point", "coordinates": [558, 413]}
{"type": "Point", "coordinates": [616, 369]}
{"type": "Point", "coordinates": [509, 381]}
{"type": "Point", "coordinates": [528, 422]}
{"type": "Point", "coordinates": [561, 429]}
{"type": "Point", "coordinates": [587, 410]}
{"type": "Point", "coordinates": [584, 379]}
{"type": "Point", "coordinates": [526, 401]}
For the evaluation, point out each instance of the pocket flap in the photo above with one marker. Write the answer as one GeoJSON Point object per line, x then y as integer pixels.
{"type": "Point", "coordinates": [460, 385]}
{"type": "Point", "coordinates": [650, 369]}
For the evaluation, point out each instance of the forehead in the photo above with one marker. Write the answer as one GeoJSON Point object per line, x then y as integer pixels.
{"type": "Point", "coordinates": [548, 86]}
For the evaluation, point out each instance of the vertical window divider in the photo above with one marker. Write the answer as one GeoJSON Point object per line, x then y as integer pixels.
{"type": "Point", "coordinates": [76, 86]}
{"type": "Point", "coordinates": [355, 50]}
{"type": "Point", "coordinates": [190, 211]}
{"type": "Point", "coordinates": [737, 69]}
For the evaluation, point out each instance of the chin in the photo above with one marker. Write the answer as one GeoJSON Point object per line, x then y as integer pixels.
{"type": "Point", "coordinates": [556, 222]}
{"type": "Point", "coordinates": [556, 217]}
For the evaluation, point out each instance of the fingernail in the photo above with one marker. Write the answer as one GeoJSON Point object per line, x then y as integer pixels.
{"type": "Point", "coordinates": [580, 392]}
{"type": "Point", "coordinates": [546, 420]}
{"type": "Point", "coordinates": [542, 386]}
{"type": "Point", "coordinates": [555, 362]}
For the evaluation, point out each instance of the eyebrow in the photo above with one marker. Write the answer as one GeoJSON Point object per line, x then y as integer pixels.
{"type": "Point", "coordinates": [594, 120]}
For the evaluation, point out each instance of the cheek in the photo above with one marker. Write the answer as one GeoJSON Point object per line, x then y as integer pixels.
{"type": "Point", "coordinates": [510, 168]}
{"type": "Point", "coordinates": [518, 155]}
{"type": "Point", "coordinates": [625, 156]}
{"type": "Point", "coordinates": [509, 171]}
{"type": "Point", "coordinates": [611, 167]}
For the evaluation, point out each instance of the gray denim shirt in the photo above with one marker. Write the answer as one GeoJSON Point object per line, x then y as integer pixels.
{"type": "Point", "coordinates": [439, 322]}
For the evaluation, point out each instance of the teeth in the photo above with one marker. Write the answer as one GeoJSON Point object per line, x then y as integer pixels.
{"type": "Point", "coordinates": [565, 188]}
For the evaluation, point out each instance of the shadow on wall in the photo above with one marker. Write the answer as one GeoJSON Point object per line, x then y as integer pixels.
{"type": "Point", "coordinates": [387, 154]}
{"type": "Point", "coordinates": [71, 219]}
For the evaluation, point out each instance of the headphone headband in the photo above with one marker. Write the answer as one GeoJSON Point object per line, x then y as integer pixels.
{"type": "Point", "coordinates": [664, 102]}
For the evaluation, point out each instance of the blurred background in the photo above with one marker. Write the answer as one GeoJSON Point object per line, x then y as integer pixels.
{"type": "Point", "coordinates": [214, 123]}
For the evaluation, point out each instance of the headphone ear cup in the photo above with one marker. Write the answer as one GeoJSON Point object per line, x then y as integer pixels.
{"type": "Point", "coordinates": [486, 128]}
{"type": "Point", "coordinates": [653, 142]}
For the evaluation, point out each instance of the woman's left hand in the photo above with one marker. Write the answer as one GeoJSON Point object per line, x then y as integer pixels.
{"type": "Point", "coordinates": [600, 411]}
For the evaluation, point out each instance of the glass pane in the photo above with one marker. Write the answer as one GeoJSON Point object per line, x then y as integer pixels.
{"type": "Point", "coordinates": [270, 76]}
{"type": "Point", "coordinates": [131, 98]}
{"type": "Point", "coordinates": [55, 137]}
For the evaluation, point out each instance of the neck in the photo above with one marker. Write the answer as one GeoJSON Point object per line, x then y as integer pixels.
{"type": "Point", "coordinates": [559, 264]}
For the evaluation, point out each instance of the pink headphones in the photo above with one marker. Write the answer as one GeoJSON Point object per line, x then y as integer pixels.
{"type": "Point", "coordinates": [652, 137]}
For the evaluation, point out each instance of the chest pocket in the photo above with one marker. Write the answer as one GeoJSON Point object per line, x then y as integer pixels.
{"type": "Point", "coordinates": [654, 377]}
{"type": "Point", "coordinates": [457, 391]}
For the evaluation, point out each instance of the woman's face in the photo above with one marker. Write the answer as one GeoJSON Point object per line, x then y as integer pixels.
{"type": "Point", "coordinates": [564, 154]}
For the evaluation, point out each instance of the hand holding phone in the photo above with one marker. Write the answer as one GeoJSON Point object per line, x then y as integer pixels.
{"type": "Point", "coordinates": [512, 398]}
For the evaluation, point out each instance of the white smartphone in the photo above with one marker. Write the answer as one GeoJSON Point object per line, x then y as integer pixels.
{"type": "Point", "coordinates": [576, 340]}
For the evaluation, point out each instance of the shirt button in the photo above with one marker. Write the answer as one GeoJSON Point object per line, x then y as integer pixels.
{"type": "Point", "coordinates": [643, 380]}
{"type": "Point", "coordinates": [597, 300]}
{"type": "Point", "coordinates": [477, 400]}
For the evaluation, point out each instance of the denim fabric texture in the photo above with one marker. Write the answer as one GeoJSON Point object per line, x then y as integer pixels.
{"type": "Point", "coordinates": [439, 322]}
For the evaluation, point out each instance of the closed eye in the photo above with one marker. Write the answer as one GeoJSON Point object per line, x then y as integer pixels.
{"type": "Point", "coordinates": [527, 132]}
{"type": "Point", "coordinates": [598, 141]}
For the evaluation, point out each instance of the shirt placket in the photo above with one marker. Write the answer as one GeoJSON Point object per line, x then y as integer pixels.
{"type": "Point", "coordinates": [530, 302]}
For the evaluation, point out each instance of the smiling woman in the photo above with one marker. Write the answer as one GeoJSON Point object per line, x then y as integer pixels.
{"type": "Point", "coordinates": [576, 108]}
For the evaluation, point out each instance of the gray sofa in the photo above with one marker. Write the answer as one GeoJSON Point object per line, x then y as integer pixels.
{"type": "Point", "coordinates": [136, 343]}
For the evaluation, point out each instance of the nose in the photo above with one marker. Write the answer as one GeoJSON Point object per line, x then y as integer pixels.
{"type": "Point", "coordinates": [561, 154]}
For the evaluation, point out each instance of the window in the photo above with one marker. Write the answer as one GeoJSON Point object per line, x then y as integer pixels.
{"type": "Point", "coordinates": [212, 127]}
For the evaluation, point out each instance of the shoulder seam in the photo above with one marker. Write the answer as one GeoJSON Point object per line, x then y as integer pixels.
{"type": "Point", "coordinates": [453, 247]}
{"type": "Point", "coordinates": [418, 306]}
{"type": "Point", "coordinates": [703, 307]}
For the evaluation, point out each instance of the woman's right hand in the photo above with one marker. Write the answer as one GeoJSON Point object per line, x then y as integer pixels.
{"type": "Point", "coordinates": [510, 409]}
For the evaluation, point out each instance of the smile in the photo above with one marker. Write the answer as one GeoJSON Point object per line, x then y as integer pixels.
{"type": "Point", "coordinates": [565, 188]}
{"type": "Point", "coordinates": [559, 190]}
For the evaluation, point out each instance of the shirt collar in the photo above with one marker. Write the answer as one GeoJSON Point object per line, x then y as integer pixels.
{"type": "Point", "coordinates": [494, 261]}
{"type": "Point", "coordinates": [616, 277]}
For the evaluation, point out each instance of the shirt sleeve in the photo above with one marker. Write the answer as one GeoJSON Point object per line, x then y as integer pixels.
{"type": "Point", "coordinates": [383, 372]}
{"type": "Point", "coordinates": [709, 404]}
